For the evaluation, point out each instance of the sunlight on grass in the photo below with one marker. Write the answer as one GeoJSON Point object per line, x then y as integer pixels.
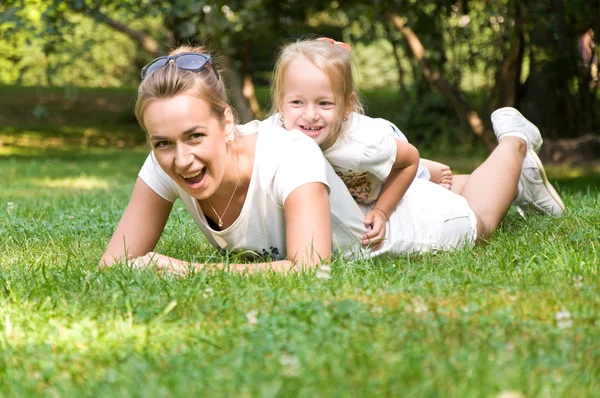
{"type": "Point", "coordinates": [81, 183]}
{"type": "Point", "coordinates": [572, 171]}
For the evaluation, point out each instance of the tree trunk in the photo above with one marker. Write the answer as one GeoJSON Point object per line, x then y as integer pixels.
{"type": "Point", "coordinates": [560, 108]}
{"type": "Point", "coordinates": [468, 116]}
{"type": "Point", "coordinates": [149, 45]}
{"type": "Point", "coordinates": [508, 75]}
{"type": "Point", "coordinates": [232, 79]}
{"type": "Point", "coordinates": [236, 96]}
{"type": "Point", "coordinates": [248, 87]}
{"type": "Point", "coordinates": [396, 57]}
{"type": "Point", "coordinates": [580, 151]}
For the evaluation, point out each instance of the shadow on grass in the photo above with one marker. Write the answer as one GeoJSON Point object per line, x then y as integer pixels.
{"type": "Point", "coordinates": [19, 139]}
{"type": "Point", "coordinates": [57, 171]}
{"type": "Point", "coordinates": [575, 179]}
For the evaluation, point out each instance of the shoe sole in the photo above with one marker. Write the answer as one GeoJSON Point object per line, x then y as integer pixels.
{"type": "Point", "coordinates": [547, 184]}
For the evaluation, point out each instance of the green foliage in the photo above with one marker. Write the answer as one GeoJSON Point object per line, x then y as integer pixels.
{"type": "Point", "coordinates": [41, 48]}
{"type": "Point", "coordinates": [18, 28]}
{"type": "Point", "coordinates": [80, 42]}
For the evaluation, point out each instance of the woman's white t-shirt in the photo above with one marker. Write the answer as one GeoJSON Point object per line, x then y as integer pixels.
{"type": "Point", "coordinates": [283, 161]}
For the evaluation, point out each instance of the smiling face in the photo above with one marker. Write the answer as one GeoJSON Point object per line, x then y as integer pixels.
{"type": "Point", "coordinates": [189, 142]}
{"type": "Point", "coordinates": [308, 102]}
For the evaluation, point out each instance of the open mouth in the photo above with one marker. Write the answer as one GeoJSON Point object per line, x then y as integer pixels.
{"type": "Point", "coordinates": [312, 131]}
{"type": "Point", "coordinates": [195, 180]}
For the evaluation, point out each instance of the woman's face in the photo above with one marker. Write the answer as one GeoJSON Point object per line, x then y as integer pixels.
{"type": "Point", "coordinates": [189, 143]}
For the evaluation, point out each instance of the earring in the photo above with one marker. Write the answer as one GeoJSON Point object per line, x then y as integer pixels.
{"type": "Point", "coordinates": [345, 119]}
{"type": "Point", "coordinates": [229, 139]}
{"type": "Point", "coordinates": [281, 118]}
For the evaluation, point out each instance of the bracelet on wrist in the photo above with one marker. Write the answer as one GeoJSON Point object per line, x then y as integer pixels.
{"type": "Point", "coordinates": [382, 212]}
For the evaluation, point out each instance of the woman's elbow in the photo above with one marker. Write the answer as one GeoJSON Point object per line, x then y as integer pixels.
{"type": "Point", "coordinates": [313, 259]}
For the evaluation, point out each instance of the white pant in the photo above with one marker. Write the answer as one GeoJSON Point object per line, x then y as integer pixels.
{"type": "Point", "coordinates": [429, 218]}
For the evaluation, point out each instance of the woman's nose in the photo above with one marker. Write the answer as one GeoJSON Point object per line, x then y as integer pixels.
{"type": "Point", "coordinates": [183, 157]}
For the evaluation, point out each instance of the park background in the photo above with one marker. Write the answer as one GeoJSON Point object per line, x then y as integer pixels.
{"type": "Point", "coordinates": [516, 316]}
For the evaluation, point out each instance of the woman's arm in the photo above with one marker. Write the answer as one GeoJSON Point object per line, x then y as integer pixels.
{"type": "Point", "coordinates": [140, 226]}
{"type": "Point", "coordinates": [308, 225]}
{"type": "Point", "coordinates": [308, 238]}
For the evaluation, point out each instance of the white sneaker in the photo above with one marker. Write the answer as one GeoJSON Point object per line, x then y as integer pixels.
{"type": "Point", "coordinates": [509, 120]}
{"type": "Point", "coordinates": [535, 191]}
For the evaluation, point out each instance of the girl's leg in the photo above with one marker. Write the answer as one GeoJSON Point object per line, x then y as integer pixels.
{"type": "Point", "coordinates": [439, 172]}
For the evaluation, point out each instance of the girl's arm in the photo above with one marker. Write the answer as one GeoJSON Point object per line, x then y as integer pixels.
{"type": "Point", "coordinates": [308, 238]}
{"type": "Point", "coordinates": [401, 176]}
{"type": "Point", "coordinates": [140, 226]}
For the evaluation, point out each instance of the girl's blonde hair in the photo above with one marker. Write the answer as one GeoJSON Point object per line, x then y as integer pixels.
{"type": "Point", "coordinates": [170, 81]}
{"type": "Point", "coordinates": [335, 61]}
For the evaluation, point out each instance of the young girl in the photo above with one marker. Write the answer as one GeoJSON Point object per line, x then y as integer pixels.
{"type": "Point", "coordinates": [313, 91]}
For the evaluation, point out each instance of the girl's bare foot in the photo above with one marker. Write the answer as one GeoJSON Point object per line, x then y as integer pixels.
{"type": "Point", "coordinates": [440, 173]}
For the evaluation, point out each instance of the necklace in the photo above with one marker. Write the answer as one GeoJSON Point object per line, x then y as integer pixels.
{"type": "Point", "coordinates": [220, 223]}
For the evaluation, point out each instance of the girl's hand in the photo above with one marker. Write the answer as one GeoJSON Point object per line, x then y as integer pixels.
{"type": "Point", "coordinates": [375, 238]}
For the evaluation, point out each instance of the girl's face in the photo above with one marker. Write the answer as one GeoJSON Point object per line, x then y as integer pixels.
{"type": "Point", "coordinates": [189, 143]}
{"type": "Point", "coordinates": [308, 101]}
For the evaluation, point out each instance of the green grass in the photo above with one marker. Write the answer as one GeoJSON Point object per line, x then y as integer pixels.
{"type": "Point", "coordinates": [470, 323]}
{"type": "Point", "coordinates": [475, 322]}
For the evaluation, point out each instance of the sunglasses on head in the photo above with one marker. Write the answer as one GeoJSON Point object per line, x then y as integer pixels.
{"type": "Point", "coordinates": [188, 61]}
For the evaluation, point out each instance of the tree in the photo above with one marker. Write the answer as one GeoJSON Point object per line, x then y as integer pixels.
{"type": "Point", "coordinates": [499, 43]}
{"type": "Point", "coordinates": [232, 27]}
{"type": "Point", "coordinates": [466, 113]}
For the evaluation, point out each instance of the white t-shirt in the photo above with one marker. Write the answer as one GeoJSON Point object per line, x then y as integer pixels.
{"type": "Point", "coordinates": [363, 155]}
{"type": "Point", "coordinates": [283, 161]}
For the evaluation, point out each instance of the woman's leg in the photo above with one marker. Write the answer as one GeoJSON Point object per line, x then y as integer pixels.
{"type": "Point", "coordinates": [492, 187]}
{"type": "Point", "coordinates": [512, 168]}
{"type": "Point", "coordinates": [458, 183]}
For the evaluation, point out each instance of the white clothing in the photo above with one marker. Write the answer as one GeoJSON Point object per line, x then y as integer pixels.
{"type": "Point", "coordinates": [282, 163]}
{"type": "Point", "coordinates": [363, 155]}
{"type": "Point", "coordinates": [428, 217]}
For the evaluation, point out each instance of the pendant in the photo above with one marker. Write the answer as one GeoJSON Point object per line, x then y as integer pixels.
{"type": "Point", "coordinates": [220, 224]}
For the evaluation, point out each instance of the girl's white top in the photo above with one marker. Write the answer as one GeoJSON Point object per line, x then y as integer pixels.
{"type": "Point", "coordinates": [364, 154]}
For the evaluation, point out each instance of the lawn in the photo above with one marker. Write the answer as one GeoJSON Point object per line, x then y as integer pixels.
{"type": "Point", "coordinates": [520, 314]}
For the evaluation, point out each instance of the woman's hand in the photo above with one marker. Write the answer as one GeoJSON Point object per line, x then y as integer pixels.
{"type": "Point", "coordinates": [308, 226]}
{"type": "Point", "coordinates": [375, 238]}
{"type": "Point", "coordinates": [161, 262]}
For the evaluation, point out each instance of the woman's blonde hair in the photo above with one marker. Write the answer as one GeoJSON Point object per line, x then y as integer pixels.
{"type": "Point", "coordinates": [335, 61]}
{"type": "Point", "coordinates": [170, 81]}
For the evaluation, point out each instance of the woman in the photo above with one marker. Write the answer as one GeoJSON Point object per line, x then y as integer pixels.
{"type": "Point", "coordinates": [259, 188]}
